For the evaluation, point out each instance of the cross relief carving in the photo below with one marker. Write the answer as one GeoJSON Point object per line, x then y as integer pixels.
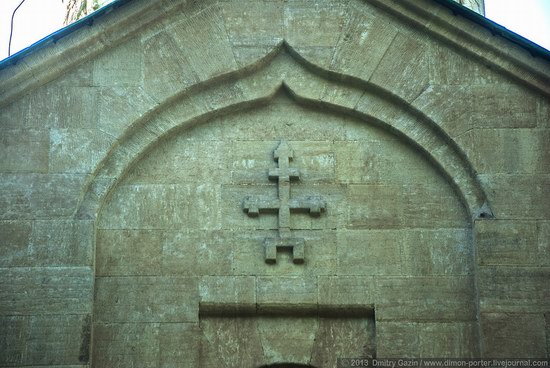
{"type": "Point", "coordinates": [284, 205]}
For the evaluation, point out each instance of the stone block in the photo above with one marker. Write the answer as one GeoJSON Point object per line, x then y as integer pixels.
{"type": "Point", "coordinates": [288, 339]}
{"type": "Point", "coordinates": [302, 23]}
{"type": "Point", "coordinates": [365, 28]}
{"type": "Point", "coordinates": [138, 206]}
{"type": "Point", "coordinates": [509, 242]}
{"type": "Point", "coordinates": [343, 337]}
{"type": "Point", "coordinates": [449, 67]}
{"type": "Point", "coordinates": [292, 293]}
{"type": "Point", "coordinates": [14, 249]}
{"type": "Point", "coordinates": [437, 252]}
{"type": "Point", "coordinates": [197, 253]}
{"type": "Point", "coordinates": [426, 340]}
{"type": "Point", "coordinates": [406, 77]}
{"type": "Point", "coordinates": [368, 252]}
{"type": "Point", "coordinates": [45, 291]}
{"type": "Point", "coordinates": [120, 106]}
{"type": "Point", "coordinates": [146, 299]}
{"type": "Point", "coordinates": [180, 345]}
{"type": "Point", "coordinates": [112, 348]}
{"type": "Point", "coordinates": [248, 55]}
{"type": "Point", "coordinates": [287, 120]}
{"type": "Point", "coordinates": [38, 196]}
{"type": "Point", "coordinates": [411, 206]}
{"type": "Point", "coordinates": [24, 150]}
{"type": "Point", "coordinates": [165, 72]}
{"type": "Point", "coordinates": [346, 292]}
{"type": "Point", "coordinates": [510, 151]}
{"type": "Point", "coordinates": [58, 106]}
{"type": "Point", "coordinates": [187, 161]}
{"type": "Point", "coordinates": [77, 150]}
{"type": "Point", "coordinates": [62, 243]}
{"type": "Point", "coordinates": [14, 115]}
{"type": "Point", "coordinates": [205, 28]}
{"type": "Point", "coordinates": [129, 252]}
{"type": "Point", "coordinates": [515, 196]}
{"type": "Point", "coordinates": [122, 65]}
{"type": "Point", "coordinates": [227, 294]}
{"type": "Point", "coordinates": [58, 340]}
{"type": "Point", "coordinates": [230, 342]}
{"type": "Point", "coordinates": [513, 335]}
{"type": "Point", "coordinates": [13, 340]}
{"type": "Point", "coordinates": [45, 340]}
{"type": "Point", "coordinates": [426, 299]}
{"type": "Point", "coordinates": [254, 24]}
{"type": "Point", "coordinates": [457, 108]}
{"type": "Point", "coordinates": [514, 289]}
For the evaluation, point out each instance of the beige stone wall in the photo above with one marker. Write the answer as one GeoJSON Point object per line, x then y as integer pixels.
{"type": "Point", "coordinates": [123, 240]}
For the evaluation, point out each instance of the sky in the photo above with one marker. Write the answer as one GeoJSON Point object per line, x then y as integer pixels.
{"type": "Point", "coordinates": [36, 19]}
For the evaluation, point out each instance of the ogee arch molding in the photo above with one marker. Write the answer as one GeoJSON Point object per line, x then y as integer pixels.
{"type": "Point", "coordinates": [308, 84]}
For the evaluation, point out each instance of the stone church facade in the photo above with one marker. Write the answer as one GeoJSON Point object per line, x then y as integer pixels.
{"type": "Point", "coordinates": [274, 183]}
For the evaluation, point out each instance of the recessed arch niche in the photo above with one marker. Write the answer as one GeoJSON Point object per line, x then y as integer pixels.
{"type": "Point", "coordinates": [173, 241]}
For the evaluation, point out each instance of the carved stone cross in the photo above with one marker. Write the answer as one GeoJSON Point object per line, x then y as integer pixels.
{"type": "Point", "coordinates": [284, 205]}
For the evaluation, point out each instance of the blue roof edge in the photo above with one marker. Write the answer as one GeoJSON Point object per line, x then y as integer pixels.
{"type": "Point", "coordinates": [57, 35]}
{"type": "Point", "coordinates": [496, 29]}
{"type": "Point", "coordinates": [457, 9]}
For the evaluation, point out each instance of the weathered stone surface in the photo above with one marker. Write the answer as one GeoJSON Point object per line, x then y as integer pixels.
{"type": "Point", "coordinates": [165, 72]}
{"type": "Point", "coordinates": [45, 340]}
{"type": "Point", "coordinates": [426, 340]}
{"type": "Point", "coordinates": [346, 291]}
{"type": "Point", "coordinates": [297, 292]}
{"type": "Point", "coordinates": [427, 299]}
{"type": "Point", "coordinates": [77, 150]}
{"type": "Point", "coordinates": [514, 289]}
{"type": "Point", "coordinates": [343, 337]}
{"type": "Point", "coordinates": [509, 151]}
{"type": "Point", "coordinates": [510, 335]}
{"type": "Point", "coordinates": [62, 243]}
{"type": "Point", "coordinates": [302, 25]}
{"type": "Point", "coordinates": [366, 26]}
{"type": "Point", "coordinates": [129, 252]}
{"type": "Point", "coordinates": [230, 342]}
{"type": "Point", "coordinates": [59, 106]}
{"type": "Point", "coordinates": [45, 290]}
{"type": "Point", "coordinates": [512, 242]}
{"type": "Point", "coordinates": [119, 106]}
{"type": "Point", "coordinates": [46, 243]}
{"type": "Point", "coordinates": [408, 206]}
{"type": "Point", "coordinates": [409, 76]}
{"type": "Point", "coordinates": [205, 27]}
{"type": "Point", "coordinates": [516, 196]}
{"type": "Point", "coordinates": [288, 339]}
{"type": "Point", "coordinates": [228, 293]}
{"type": "Point", "coordinates": [457, 108]}
{"type": "Point", "coordinates": [15, 237]}
{"type": "Point", "coordinates": [180, 344]}
{"type": "Point", "coordinates": [113, 348]}
{"type": "Point", "coordinates": [121, 66]}
{"type": "Point", "coordinates": [146, 299]}
{"type": "Point", "coordinates": [252, 24]}
{"type": "Point", "coordinates": [24, 150]}
{"type": "Point", "coordinates": [447, 67]}
{"type": "Point", "coordinates": [38, 196]}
